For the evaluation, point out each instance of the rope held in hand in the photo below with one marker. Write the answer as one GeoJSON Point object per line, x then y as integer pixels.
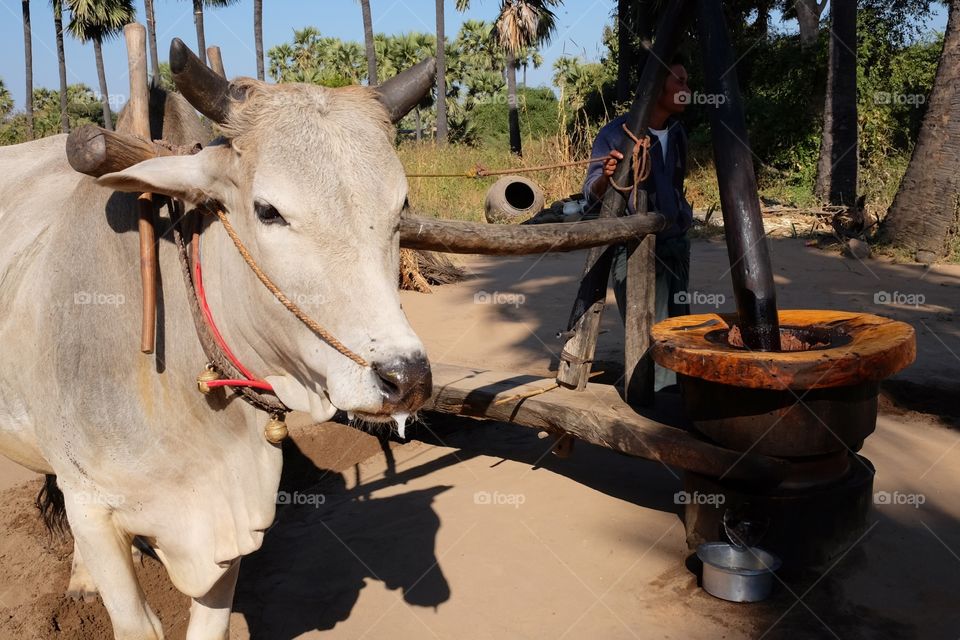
{"type": "Point", "coordinates": [641, 166]}
{"type": "Point", "coordinates": [322, 333]}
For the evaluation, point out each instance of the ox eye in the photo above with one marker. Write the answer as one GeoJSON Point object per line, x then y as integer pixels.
{"type": "Point", "coordinates": [268, 214]}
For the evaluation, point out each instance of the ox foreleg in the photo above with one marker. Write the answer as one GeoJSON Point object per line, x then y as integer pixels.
{"type": "Point", "coordinates": [104, 551]}
{"type": "Point", "coordinates": [81, 585]}
{"type": "Point", "coordinates": [210, 615]}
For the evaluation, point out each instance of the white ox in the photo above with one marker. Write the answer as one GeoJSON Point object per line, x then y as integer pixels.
{"type": "Point", "coordinates": [312, 184]}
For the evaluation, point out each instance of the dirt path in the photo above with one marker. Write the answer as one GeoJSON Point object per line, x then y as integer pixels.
{"type": "Point", "coordinates": [470, 531]}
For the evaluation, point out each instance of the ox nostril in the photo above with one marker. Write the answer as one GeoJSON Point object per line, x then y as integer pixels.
{"type": "Point", "coordinates": [391, 377]}
{"type": "Point", "coordinates": [404, 379]}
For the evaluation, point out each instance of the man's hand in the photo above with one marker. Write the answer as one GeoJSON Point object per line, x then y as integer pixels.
{"type": "Point", "coordinates": [609, 167]}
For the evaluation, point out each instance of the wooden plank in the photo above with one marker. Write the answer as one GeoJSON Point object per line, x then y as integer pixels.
{"type": "Point", "coordinates": [598, 416]}
{"type": "Point", "coordinates": [639, 320]}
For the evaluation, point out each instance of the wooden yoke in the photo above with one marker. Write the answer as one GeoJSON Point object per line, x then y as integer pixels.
{"type": "Point", "coordinates": [139, 109]}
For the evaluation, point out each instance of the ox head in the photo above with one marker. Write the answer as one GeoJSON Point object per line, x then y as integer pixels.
{"type": "Point", "coordinates": [311, 182]}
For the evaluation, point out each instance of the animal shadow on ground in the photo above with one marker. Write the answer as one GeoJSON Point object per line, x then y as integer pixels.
{"type": "Point", "coordinates": [327, 540]}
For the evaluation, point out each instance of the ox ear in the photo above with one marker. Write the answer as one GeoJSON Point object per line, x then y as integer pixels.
{"type": "Point", "coordinates": [196, 179]}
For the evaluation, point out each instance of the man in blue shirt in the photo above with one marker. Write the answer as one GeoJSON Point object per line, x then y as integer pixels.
{"type": "Point", "coordinates": [665, 191]}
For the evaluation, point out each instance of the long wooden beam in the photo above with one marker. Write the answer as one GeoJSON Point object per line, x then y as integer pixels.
{"type": "Point", "coordinates": [453, 236]}
{"type": "Point", "coordinates": [598, 416]}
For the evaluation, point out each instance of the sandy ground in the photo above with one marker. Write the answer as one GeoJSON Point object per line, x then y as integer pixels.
{"type": "Point", "coordinates": [472, 530]}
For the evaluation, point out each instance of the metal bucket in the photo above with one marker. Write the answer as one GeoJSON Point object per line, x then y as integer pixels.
{"type": "Point", "coordinates": [737, 574]}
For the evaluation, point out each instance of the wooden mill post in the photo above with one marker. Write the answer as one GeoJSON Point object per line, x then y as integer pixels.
{"type": "Point", "coordinates": [584, 324]}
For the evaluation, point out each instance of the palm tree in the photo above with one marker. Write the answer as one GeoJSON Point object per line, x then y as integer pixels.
{"type": "Point", "coordinates": [62, 62]}
{"type": "Point", "coordinates": [521, 24]}
{"type": "Point", "coordinates": [527, 57]}
{"type": "Point", "coordinates": [28, 64]}
{"type": "Point", "coordinates": [442, 131]}
{"type": "Point", "coordinates": [403, 52]}
{"type": "Point", "coordinates": [258, 35]}
{"type": "Point", "coordinates": [371, 50]}
{"type": "Point", "coordinates": [152, 38]}
{"type": "Point", "coordinates": [924, 213]}
{"type": "Point", "coordinates": [198, 22]}
{"type": "Point", "coordinates": [6, 100]}
{"type": "Point", "coordinates": [96, 21]}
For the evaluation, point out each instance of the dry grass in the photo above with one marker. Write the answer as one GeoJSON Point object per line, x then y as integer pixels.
{"type": "Point", "coordinates": [462, 198]}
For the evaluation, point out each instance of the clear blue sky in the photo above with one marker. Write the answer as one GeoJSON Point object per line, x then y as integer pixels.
{"type": "Point", "coordinates": [580, 29]}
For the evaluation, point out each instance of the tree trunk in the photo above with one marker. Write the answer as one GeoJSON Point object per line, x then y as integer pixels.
{"type": "Point", "coordinates": [62, 63]}
{"type": "Point", "coordinates": [28, 65]}
{"type": "Point", "coordinates": [152, 38]}
{"type": "Point", "coordinates": [104, 95]}
{"type": "Point", "coordinates": [198, 21]}
{"type": "Point", "coordinates": [442, 131]}
{"type": "Point", "coordinates": [808, 17]}
{"type": "Point", "coordinates": [634, 34]}
{"type": "Point", "coordinates": [258, 36]}
{"type": "Point", "coordinates": [925, 215]}
{"type": "Point", "coordinates": [515, 143]}
{"type": "Point", "coordinates": [761, 26]}
{"type": "Point", "coordinates": [372, 76]}
{"type": "Point", "coordinates": [839, 157]}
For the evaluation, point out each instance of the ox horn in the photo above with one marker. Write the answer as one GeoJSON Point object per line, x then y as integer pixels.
{"type": "Point", "coordinates": [402, 92]}
{"type": "Point", "coordinates": [207, 91]}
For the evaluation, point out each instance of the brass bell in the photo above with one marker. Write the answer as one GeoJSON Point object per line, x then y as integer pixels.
{"type": "Point", "coordinates": [207, 375]}
{"type": "Point", "coordinates": [276, 430]}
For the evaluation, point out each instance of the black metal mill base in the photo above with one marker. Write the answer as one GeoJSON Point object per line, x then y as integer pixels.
{"type": "Point", "coordinates": [806, 527]}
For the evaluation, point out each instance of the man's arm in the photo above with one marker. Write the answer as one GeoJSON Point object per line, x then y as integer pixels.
{"type": "Point", "coordinates": [599, 173]}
